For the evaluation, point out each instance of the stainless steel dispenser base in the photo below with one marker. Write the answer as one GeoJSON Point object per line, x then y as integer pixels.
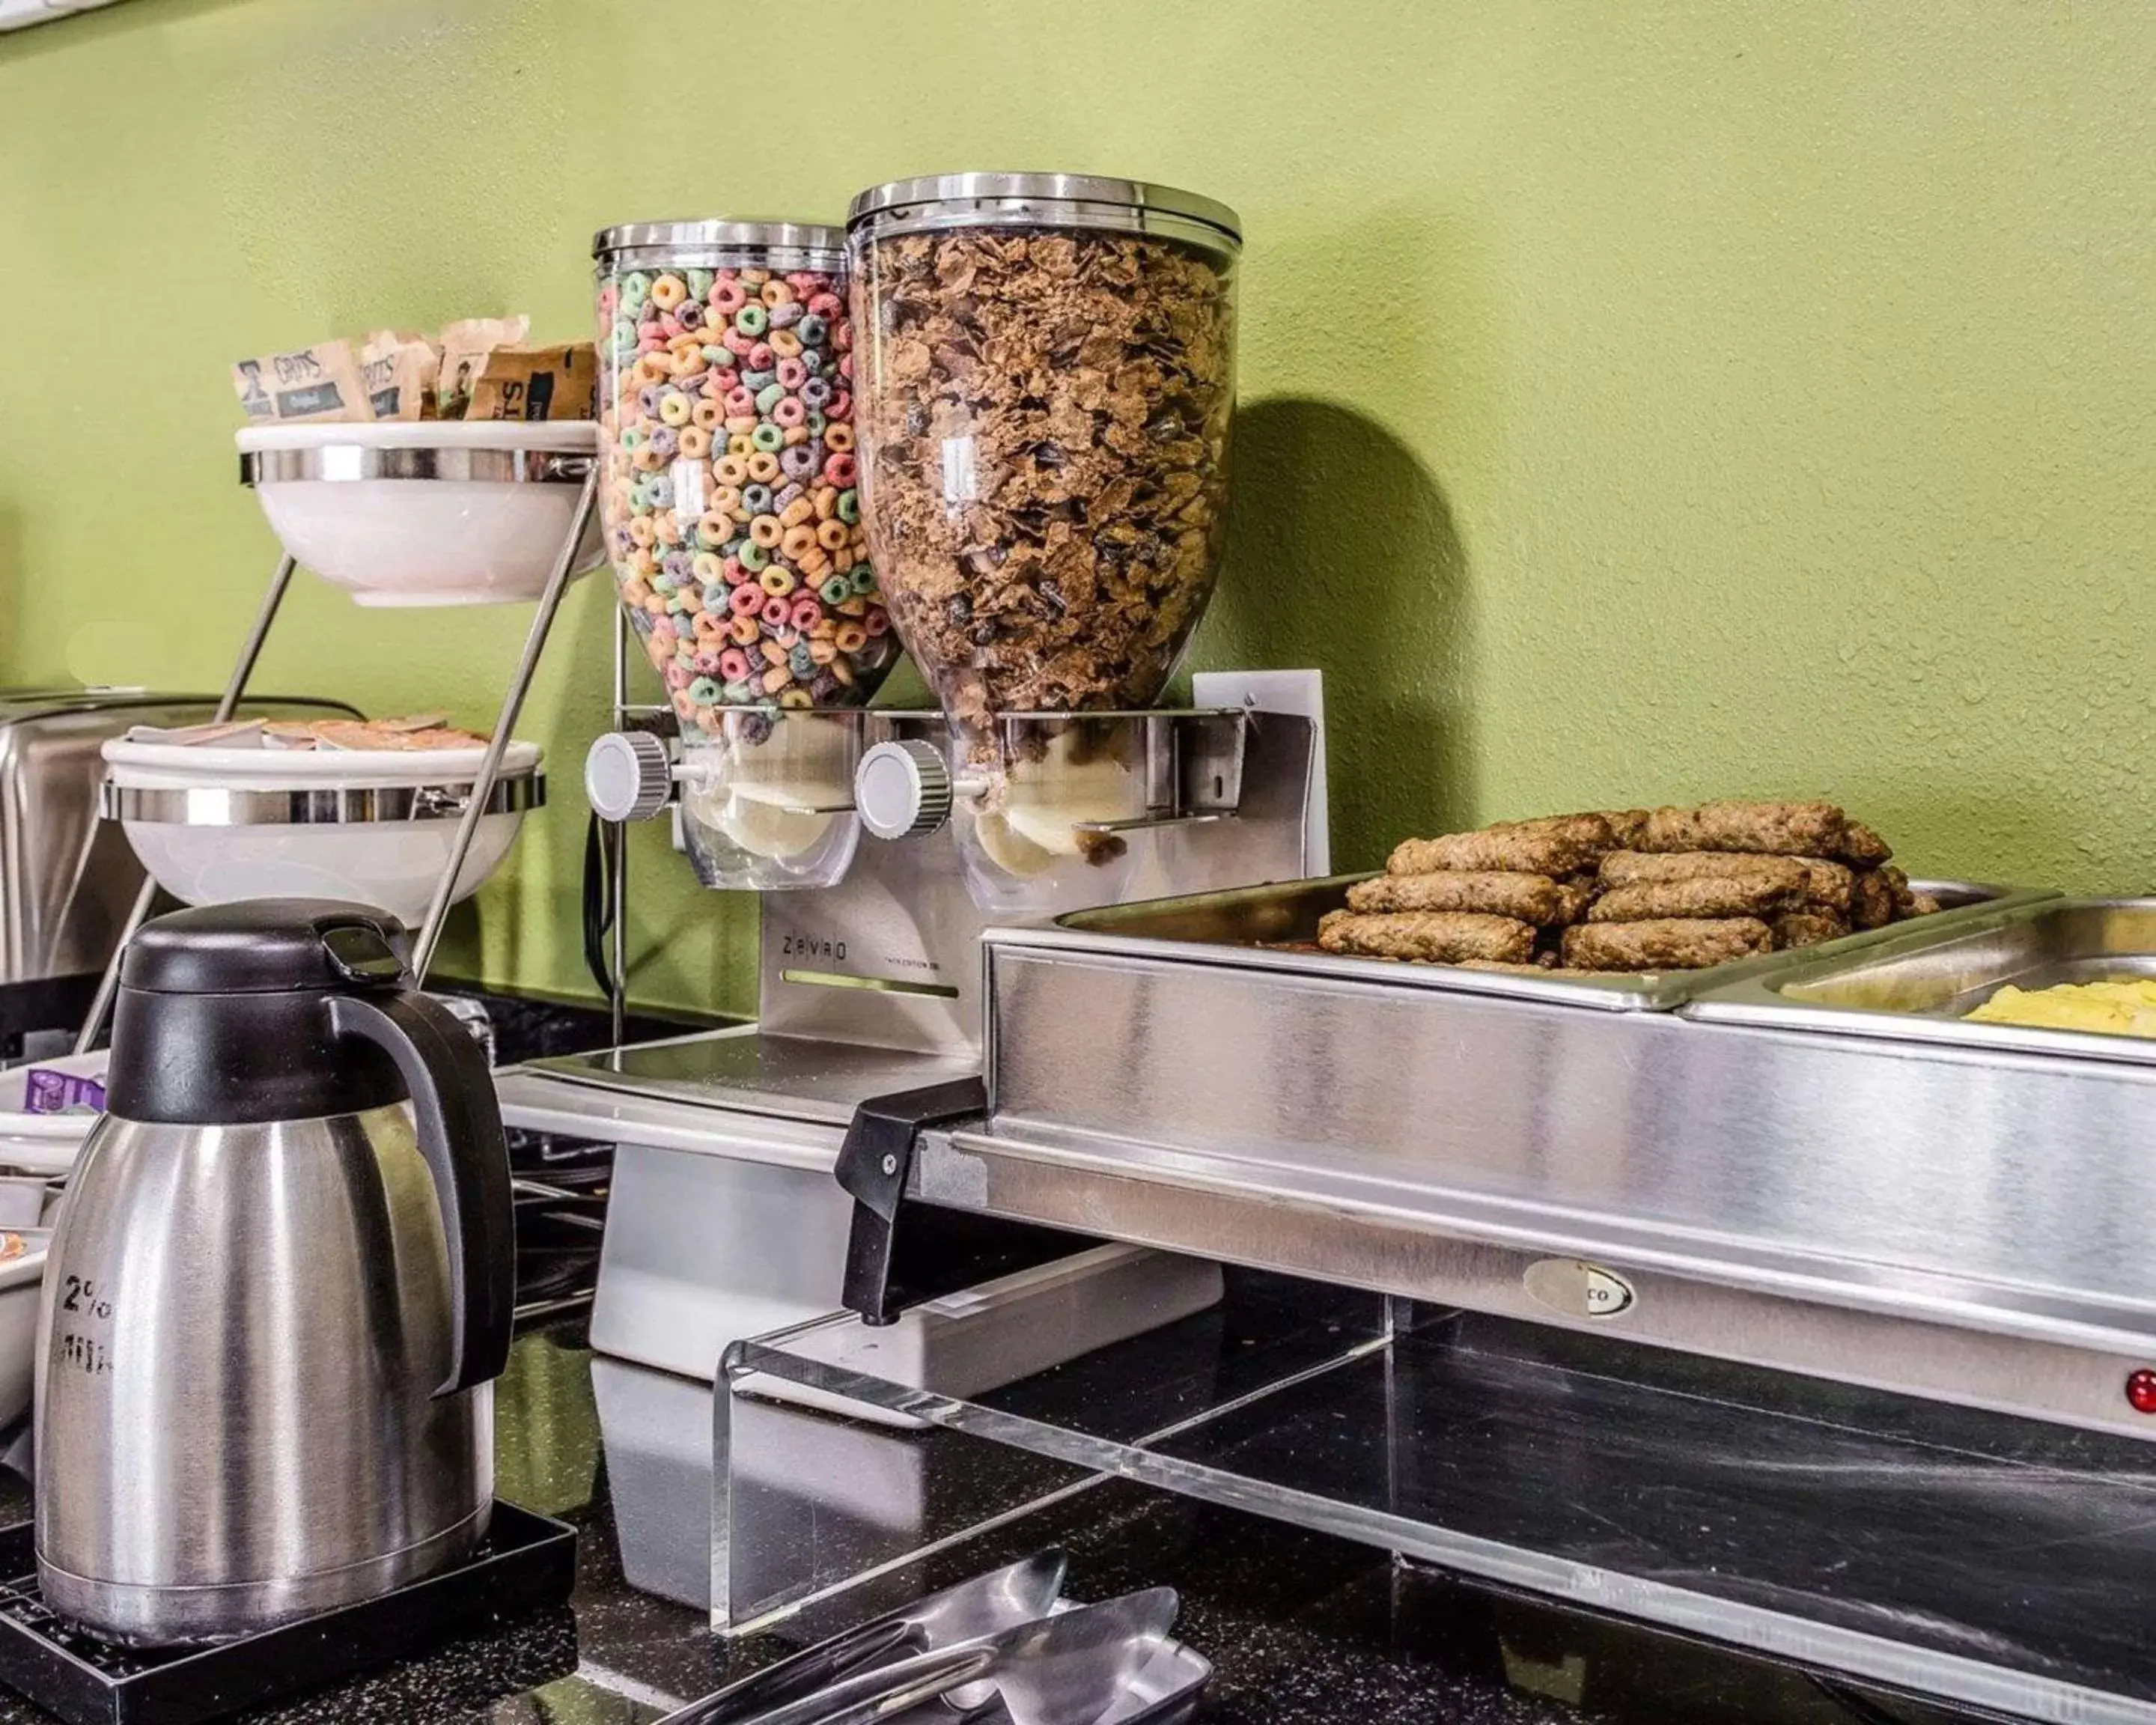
{"type": "Point", "coordinates": [701, 1250]}
{"type": "Point", "coordinates": [725, 1221]}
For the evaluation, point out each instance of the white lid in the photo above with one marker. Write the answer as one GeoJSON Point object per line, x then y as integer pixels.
{"type": "Point", "coordinates": [165, 766]}
{"type": "Point", "coordinates": [567, 437]}
{"type": "Point", "coordinates": [902, 790]}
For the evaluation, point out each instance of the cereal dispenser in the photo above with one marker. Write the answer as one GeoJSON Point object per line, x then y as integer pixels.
{"type": "Point", "coordinates": [1039, 372]}
{"type": "Point", "coordinates": [1046, 373]}
{"type": "Point", "coordinates": [1039, 369]}
{"type": "Point", "coordinates": [727, 437]}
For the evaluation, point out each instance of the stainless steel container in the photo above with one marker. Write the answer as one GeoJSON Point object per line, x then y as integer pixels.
{"type": "Point", "coordinates": [66, 882]}
{"type": "Point", "coordinates": [1274, 927]}
{"type": "Point", "coordinates": [278, 1294]}
{"type": "Point", "coordinates": [1949, 1219]}
{"type": "Point", "coordinates": [1917, 985]}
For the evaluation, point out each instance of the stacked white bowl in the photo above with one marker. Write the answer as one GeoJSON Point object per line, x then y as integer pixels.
{"type": "Point", "coordinates": [426, 512]}
{"type": "Point", "coordinates": [375, 826]}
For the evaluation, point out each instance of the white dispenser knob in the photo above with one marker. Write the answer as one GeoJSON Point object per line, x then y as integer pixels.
{"type": "Point", "coordinates": [902, 790]}
{"type": "Point", "coordinates": [627, 776]}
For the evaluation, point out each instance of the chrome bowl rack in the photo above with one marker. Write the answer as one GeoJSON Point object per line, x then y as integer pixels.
{"type": "Point", "coordinates": [486, 793]}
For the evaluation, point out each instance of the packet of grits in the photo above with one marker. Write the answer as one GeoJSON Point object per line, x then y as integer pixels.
{"type": "Point", "coordinates": [397, 369]}
{"type": "Point", "coordinates": [535, 384]}
{"type": "Point", "coordinates": [310, 383]}
{"type": "Point", "coordinates": [465, 345]}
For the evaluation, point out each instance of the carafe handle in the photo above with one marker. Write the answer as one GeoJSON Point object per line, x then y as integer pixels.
{"type": "Point", "coordinates": [460, 1135]}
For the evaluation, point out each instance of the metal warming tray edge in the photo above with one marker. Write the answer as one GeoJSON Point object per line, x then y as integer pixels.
{"type": "Point", "coordinates": [1356, 1122]}
{"type": "Point", "coordinates": [1246, 926]}
{"type": "Point", "coordinates": [1915, 985]}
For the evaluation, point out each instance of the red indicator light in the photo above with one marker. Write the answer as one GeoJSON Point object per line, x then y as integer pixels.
{"type": "Point", "coordinates": [2141, 1390]}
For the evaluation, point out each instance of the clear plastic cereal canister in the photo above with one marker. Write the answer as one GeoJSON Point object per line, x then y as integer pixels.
{"type": "Point", "coordinates": [728, 500]}
{"type": "Point", "coordinates": [1047, 375]}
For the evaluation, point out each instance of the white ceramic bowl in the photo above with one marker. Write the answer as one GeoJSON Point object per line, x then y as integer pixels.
{"type": "Point", "coordinates": [43, 1144]}
{"type": "Point", "coordinates": [392, 865]}
{"type": "Point", "coordinates": [442, 540]}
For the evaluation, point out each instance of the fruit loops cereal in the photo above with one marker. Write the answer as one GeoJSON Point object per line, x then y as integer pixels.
{"type": "Point", "coordinates": [729, 503]}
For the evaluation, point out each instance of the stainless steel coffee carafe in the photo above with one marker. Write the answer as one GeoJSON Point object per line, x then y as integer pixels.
{"type": "Point", "coordinates": [280, 1289]}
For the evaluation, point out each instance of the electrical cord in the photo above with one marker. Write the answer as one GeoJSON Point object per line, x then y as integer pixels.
{"type": "Point", "coordinates": [598, 904]}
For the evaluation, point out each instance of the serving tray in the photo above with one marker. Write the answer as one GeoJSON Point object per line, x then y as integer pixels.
{"type": "Point", "coordinates": [1917, 986]}
{"type": "Point", "coordinates": [528, 1563]}
{"type": "Point", "coordinates": [1271, 928]}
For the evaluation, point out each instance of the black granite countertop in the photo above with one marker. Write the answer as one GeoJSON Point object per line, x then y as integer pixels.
{"type": "Point", "coordinates": [1303, 1628]}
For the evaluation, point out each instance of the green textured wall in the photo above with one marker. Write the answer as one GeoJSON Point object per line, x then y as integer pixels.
{"type": "Point", "coordinates": [1641, 402]}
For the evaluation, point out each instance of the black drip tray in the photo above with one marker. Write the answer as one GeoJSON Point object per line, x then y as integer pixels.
{"type": "Point", "coordinates": [527, 1564]}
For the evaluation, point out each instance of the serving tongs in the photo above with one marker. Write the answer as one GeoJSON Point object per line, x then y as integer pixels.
{"type": "Point", "coordinates": [1069, 1668]}
{"type": "Point", "coordinates": [1017, 1594]}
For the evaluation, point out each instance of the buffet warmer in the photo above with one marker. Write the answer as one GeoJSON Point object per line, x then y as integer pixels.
{"type": "Point", "coordinates": [1748, 1174]}
{"type": "Point", "coordinates": [1778, 1302]}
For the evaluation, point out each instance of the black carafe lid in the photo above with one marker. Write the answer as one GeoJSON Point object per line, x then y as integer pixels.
{"type": "Point", "coordinates": [224, 1013]}
{"type": "Point", "coordinates": [264, 946]}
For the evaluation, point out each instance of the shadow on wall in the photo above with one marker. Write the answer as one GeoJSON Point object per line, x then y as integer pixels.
{"type": "Point", "coordinates": [1342, 555]}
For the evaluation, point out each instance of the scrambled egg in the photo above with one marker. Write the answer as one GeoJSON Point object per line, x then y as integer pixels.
{"type": "Point", "coordinates": [2122, 1008]}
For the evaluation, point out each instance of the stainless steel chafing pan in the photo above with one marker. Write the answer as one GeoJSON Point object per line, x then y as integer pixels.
{"type": "Point", "coordinates": [1259, 926]}
{"type": "Point", "coordinates": [1917, 982]}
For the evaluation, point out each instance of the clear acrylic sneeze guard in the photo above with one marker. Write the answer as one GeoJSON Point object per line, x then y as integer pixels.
{"type": "Point", "coordinates": [1946, 1552]}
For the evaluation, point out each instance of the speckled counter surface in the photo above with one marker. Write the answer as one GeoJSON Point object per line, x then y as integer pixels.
{"type": "Point", "coordinates": [1303, 1628]}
